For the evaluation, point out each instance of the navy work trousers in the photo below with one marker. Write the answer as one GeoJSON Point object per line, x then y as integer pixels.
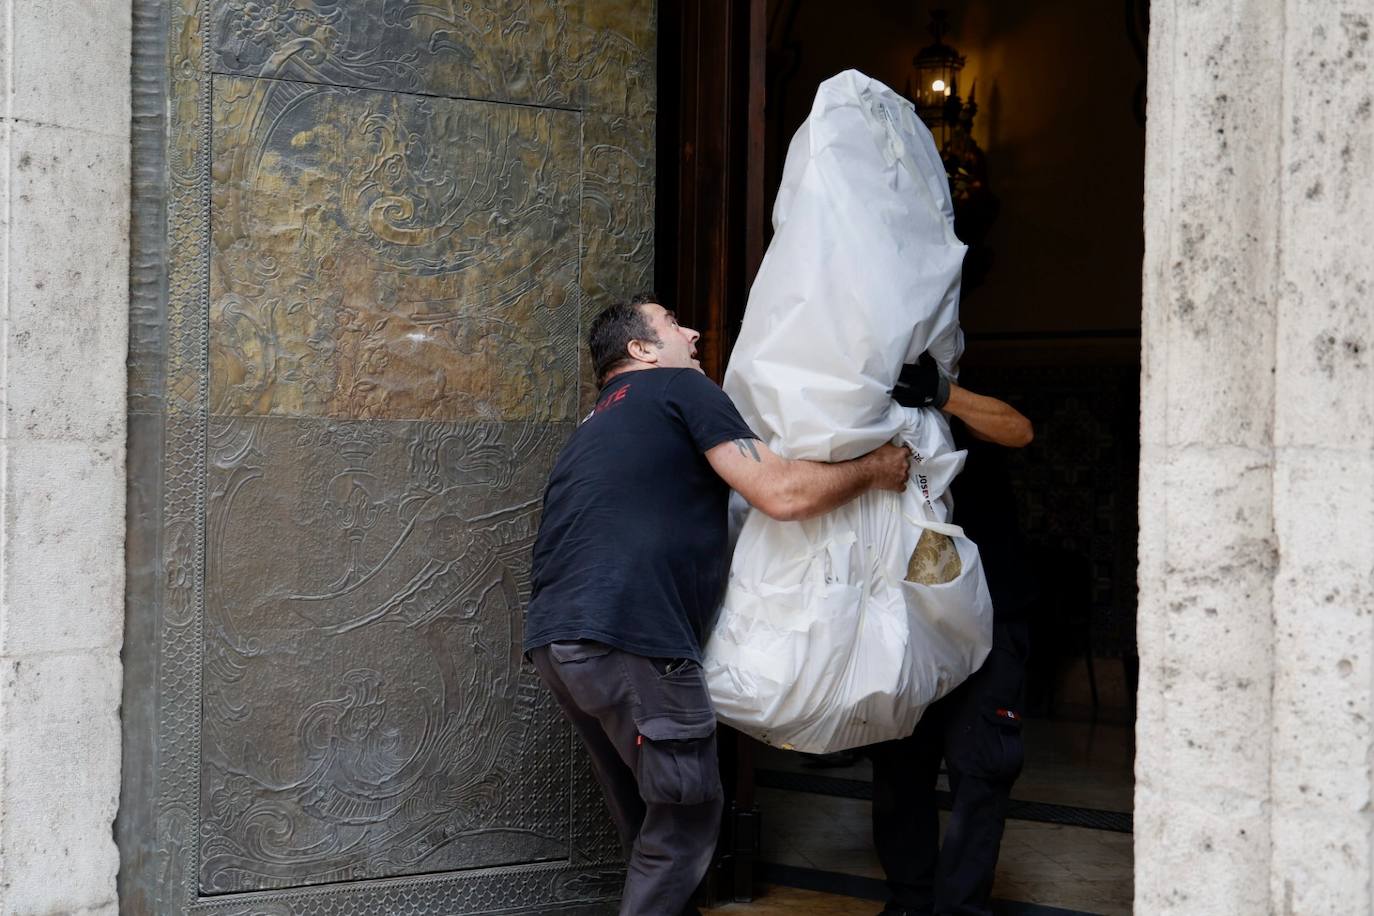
{"type": "Point", "coordinates": [650, 729]}
{"type": "Point", "coordinates": [977, 730]}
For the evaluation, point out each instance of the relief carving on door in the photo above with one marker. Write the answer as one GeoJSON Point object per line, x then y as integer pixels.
{"type": "Point", "coordinates": [386, 225]}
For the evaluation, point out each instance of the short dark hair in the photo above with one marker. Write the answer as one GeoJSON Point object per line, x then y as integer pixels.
{"type": "Point", "coordinates": [611, 332]}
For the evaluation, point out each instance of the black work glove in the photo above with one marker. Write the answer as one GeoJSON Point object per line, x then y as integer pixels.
{"type": "Point", "coordinates": [921, 384]}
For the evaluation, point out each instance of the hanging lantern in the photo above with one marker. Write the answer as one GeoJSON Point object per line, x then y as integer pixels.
{"type": "Point", "coordinates": [936, 89]}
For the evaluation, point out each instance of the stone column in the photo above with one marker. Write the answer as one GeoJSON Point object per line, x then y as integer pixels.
{"type": "Point", "coordinates": [64, 206]}
{"type": "Point", "coordinates": [1257, 474]}
{"type": "Point", "coordinates": [1323, 707]}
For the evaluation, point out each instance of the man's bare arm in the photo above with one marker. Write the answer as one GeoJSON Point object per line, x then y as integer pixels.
{"type": "Point", "coordinates": [989, 419]}
{"type": "Point", "coordinates": [789, 490]}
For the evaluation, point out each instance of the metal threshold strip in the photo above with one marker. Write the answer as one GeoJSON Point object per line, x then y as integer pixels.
{"type": "Point", "coordinates": [1040, 812]}
{"type": "Point", "coordinates": [841, 884]}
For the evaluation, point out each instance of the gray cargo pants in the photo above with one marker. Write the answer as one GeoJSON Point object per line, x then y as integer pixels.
{"type": "Point", "coordinates": [651, 732]}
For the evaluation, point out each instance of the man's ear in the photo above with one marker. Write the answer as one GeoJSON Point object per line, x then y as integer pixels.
{"type": "Point", "coordinates": [643, 351]}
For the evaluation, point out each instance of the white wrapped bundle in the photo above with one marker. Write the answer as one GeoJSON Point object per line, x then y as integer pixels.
{"type": "Point", "coordinates": [838, 631]}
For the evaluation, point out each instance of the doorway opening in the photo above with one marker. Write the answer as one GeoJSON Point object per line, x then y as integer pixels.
{"type": "Point", "coordinates": [1050, 204]}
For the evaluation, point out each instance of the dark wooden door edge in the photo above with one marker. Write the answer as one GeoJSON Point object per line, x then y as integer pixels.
{"type": "Point", "coordinates": [710, 226]}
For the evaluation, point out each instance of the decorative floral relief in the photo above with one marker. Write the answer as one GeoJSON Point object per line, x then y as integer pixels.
{"type": "Point", "coordinates": [339, 597]}
{"type": "Point", "coordinates": [346, 678]}
{"type": "Point", "coordinates": [595, 55]}
{"type": "Point", "coordinates": [379, 257]}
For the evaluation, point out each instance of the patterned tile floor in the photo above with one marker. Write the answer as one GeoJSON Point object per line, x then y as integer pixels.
{"type": "Point", "coordinates": [1072, 868]}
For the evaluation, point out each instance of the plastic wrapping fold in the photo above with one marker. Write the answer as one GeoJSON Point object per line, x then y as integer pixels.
{"type": "Point", "coordinates": [838, 631]}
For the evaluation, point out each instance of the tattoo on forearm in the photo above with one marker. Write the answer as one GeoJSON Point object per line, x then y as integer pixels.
{"type": "Point", "coordinates": [743, 444]}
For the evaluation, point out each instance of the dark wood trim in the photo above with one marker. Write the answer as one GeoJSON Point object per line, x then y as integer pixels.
{"type": "Point", "coordinates": [755, 217]}
{"type": "Point", "coordinates": [710, 226]}
{"type": "Point", "coordinates": [710, 152]}
{"type": "Point", "coordinates": [746, 828]}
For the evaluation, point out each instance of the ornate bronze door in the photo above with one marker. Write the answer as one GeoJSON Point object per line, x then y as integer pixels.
{"type": "Point", "coordinates": [368, 236]}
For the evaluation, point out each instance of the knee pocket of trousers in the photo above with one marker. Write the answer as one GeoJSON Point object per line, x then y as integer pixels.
{"type": "Point", "coordinates": [677, 763]}
{"type": "Point", "coordinates": [1009, 752]}
{"type": "Point", "coordinates": [990, 747]}
{"type": "Point", "coordinates": [677, 752]}
{"type": "Point", "coordinates": [996, 749]}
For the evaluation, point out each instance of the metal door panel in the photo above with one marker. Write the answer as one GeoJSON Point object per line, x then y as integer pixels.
{"type": "Point", "coordinates": [530, 51]}
{"type": "Point", "coordinates": [383, 256]}
{"type": "Point", "coordinates": [368, 237]}
{"type": "Point", "coordinates": [365, 712]}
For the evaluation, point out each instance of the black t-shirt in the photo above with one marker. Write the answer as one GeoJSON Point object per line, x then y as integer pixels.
{"type": "Point", "coordinates": [631, 548]}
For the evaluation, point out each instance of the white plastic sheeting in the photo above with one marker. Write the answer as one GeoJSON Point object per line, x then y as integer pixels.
{"type": "Point", "coordinates": [838, 631]}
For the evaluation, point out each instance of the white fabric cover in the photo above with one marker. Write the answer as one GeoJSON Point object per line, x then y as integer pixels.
{"type": "Point", "coordinates": [821, 644]}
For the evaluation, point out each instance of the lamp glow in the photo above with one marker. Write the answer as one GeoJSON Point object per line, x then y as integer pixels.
{"type": "Point", "coordinates": [936, 81]}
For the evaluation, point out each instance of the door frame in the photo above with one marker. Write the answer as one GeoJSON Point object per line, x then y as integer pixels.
{"type": "Point", "coordinates": [709, 229]}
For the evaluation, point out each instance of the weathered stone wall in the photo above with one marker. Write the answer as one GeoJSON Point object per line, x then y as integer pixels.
{"type": "Point", "coordinates": [1257, 477]}
{"type": "Point", "coordinates": [64, 204]}
{"type": "Point", "coordinates": [1323, 845]}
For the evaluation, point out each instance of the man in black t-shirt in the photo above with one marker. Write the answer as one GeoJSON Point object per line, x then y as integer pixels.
{"type": "Point", "coordinates": [629, 564]}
